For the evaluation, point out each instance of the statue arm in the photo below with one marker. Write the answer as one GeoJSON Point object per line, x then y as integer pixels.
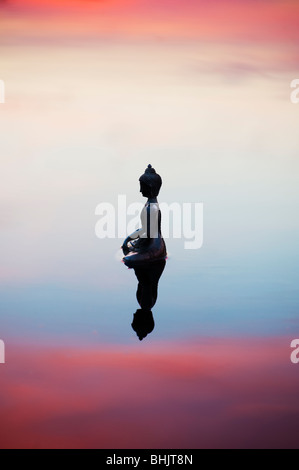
{"type": "Point", "coordinates": [149, 228]}
{"type": "Point", "coordinates": [133, 236]}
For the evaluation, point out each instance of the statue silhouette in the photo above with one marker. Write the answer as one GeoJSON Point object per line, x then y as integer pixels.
{"type": "Point", "coordinates": [145, 252]}
{"type": "Point", "coordinates": [146, 244]}
{"type": "Point", "coordinates": [143, 323]}
{"type": "Point", "coordinates": [148, 278]}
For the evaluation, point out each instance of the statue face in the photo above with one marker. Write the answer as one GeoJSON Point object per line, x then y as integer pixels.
{"type": "Point", "coordinates": [145, 189]}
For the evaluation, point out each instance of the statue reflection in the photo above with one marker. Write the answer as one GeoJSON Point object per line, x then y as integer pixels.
{"type": "Point", "coordinates": [147, 292]}
{"type": "Point", "coordinates": [145, 252]}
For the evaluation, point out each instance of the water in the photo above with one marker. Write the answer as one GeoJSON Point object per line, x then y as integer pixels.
{"type": "Point", "coordinates": [216, 370]}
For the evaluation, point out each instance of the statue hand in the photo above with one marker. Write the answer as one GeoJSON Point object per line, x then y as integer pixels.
{"type": "Point", "coordinates": [124, 246]}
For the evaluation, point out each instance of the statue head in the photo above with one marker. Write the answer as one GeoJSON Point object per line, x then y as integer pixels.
{"type": "Point", "coordinates": [143, 323]}
{"type": "Point", "coordinates": [150, 182]}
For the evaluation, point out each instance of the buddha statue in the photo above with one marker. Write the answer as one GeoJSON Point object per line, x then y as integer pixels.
{"type": "Point", "coordinates": [145, 252]}
{"type": "Point", "coordinates": [146, 244]}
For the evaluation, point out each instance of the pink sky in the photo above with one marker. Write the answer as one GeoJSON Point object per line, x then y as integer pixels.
{"type": "Point", "coordinates": [276, 21]}
{"type": "Point", "coordinates": [207, 393]}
